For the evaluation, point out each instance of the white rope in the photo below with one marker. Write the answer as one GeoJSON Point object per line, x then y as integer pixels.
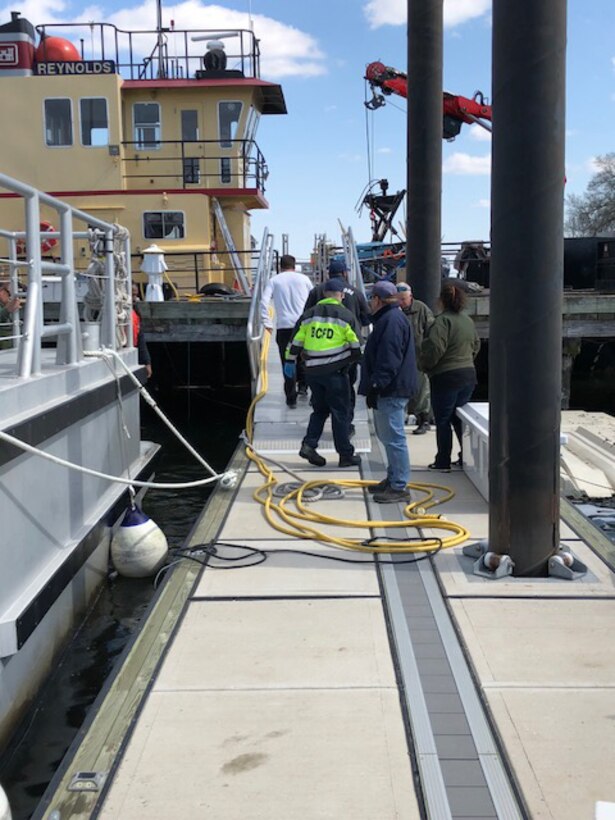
{"type": "Point", "coordinates": [106, 354]}
{"type": "Point", "coordinates": [123, 298]}
{"type": "Point", "coordinates": [226, 477]}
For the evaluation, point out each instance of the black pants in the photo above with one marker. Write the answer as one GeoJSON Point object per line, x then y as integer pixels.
{"type": "Point", "coordinates": [330, 396]}
{"type": "Point", "coordinates": [283, 337]}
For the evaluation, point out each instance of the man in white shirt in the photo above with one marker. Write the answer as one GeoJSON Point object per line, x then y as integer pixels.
{"type": "Point", "coordinates": [289, 291]}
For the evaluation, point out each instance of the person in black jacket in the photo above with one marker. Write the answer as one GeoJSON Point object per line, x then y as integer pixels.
{"type": "Point", "coordinates": [389, 381]}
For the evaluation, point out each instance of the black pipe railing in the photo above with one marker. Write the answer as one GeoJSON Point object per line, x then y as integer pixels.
{"type": "Point", "coordinates": [152, 55]}
{"type": "Point", "coordinates": [188, 163]}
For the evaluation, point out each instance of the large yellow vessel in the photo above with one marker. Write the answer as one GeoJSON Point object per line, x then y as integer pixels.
{"type": "Point", "coordinates": [154, 130]}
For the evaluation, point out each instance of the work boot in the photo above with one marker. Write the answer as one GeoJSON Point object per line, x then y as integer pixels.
{"type": "Point", "coordinates": [422, 425]}
{"type": "Point", "coordinates": [310, 454]}
{"type": "Point", "coordinates": [440, 468]}
{"type": "Point", "coordinates": [392, 496]}
{"type": "Point", "coordinates": [352, 460]}
{"type": "Point", "coordinates": [378, 488]}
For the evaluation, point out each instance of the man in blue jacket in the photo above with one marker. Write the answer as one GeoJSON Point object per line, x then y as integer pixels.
{"type": "Point", "coordinates": [389, 381]}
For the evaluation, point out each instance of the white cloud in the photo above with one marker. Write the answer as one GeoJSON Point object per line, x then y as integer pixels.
{"type": "Point", "coordinates": [483, 203]}
{"type": "Point", "coordinates": [384, 151]}
{"type": "Point", "coordinates": [591, 165]}
{"type": "Point", "coordinates": [351, 157]}
{"type": "Point", "coordinates": [467, 165]}
{"type": "Point", "coordinates": [37, 11]}
{"type": "Point", "coordinates": [394, 12]}
{"type": "Point", "coordinates": [479, 134]}
{"type": "Point", "coordinates": [285, 50]}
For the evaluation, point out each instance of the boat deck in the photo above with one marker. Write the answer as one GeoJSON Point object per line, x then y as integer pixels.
{"type": "Point", "coordinates": [309, 688]}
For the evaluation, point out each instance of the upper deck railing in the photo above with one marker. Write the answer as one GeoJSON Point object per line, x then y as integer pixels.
{"type": "Point", "coordinates": [194, 163]}
{"type": "Point", "coordinates": [171, 54]}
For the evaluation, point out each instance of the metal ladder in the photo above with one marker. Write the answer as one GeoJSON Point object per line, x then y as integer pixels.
{"type": "Point", "coordinates": [240, 274]}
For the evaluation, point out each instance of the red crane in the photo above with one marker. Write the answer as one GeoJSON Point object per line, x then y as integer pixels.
{"type": "Point", "coordinates": [456, 109]}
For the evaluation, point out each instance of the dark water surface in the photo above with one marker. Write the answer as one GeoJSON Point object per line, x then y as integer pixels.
{"type": "Point", "coordinates": [211, 421]}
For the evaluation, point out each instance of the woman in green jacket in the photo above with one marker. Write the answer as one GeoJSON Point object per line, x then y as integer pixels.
{"type": "Point", "coordinates": [447, 356]}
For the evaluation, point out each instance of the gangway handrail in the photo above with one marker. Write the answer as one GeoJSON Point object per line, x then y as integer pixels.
{"type": "Point", "coordinates": [68, 330]}
{"type": "Point", "coordinates": [255, 327]}
{"type": "Point", "coordinates": [355, 277]}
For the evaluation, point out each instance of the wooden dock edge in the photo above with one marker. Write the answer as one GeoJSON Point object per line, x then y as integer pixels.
{"type": "Point", "coordinates": [100, 743]}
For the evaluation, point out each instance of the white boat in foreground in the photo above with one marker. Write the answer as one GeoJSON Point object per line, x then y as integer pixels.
{"type": "Point", "coordinates": [81, 408]}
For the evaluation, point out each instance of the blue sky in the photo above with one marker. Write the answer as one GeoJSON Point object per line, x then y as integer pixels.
{"type": "Point", "coordinates": [319, 155]}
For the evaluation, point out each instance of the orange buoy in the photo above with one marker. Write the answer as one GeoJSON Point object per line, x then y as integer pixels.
{"type": "Point", "coordinates": [56, 50]}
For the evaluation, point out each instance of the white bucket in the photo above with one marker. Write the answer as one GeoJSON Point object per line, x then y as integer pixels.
{"type": "Point", "coordinates": [90, 333]}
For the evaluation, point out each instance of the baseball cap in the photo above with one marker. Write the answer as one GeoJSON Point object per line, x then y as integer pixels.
{"type": "Point", "coordinates": [337, 266]}
{"type": "Point", "coordinates": [403, 287]}
{"type": "Point", "coordinates": [384, 290]}
{"type": "Point", "coordinates": [334, 286]}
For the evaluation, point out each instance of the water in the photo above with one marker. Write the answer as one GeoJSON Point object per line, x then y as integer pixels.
{"type": "Point", "coordinates": [211, 422]}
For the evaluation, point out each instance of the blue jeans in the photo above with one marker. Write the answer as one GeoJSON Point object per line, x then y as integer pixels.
{"type": "Point", "coordinates": [330, 395]}
{"type": "Point", "coordinates": [444, 403]}
{"type": "Point", "coordinates": [389, 422]}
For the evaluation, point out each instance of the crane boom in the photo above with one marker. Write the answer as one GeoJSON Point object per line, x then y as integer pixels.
{"type": "Point", "coordinates": [455, 108]}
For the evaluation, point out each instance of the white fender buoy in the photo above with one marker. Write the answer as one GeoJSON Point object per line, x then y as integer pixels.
{"type": "Point", "coordinates": [5, 811]}
{"type": "Point", "coordinates": [139, 547]}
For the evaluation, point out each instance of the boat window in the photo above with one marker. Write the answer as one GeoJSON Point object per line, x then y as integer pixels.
{"type": "Point", "coordinates": [58, 122]}
{"type": "Point", "coordinates": [146, 125]}
{"type": "Point", "coordinates": [228, 118]}
{"type": "Point", "coordinates": [225, 169]}
{"type": "Point", "coordinates": [163, 224]}
{"type": "Point", "coordinates": [252, 123]}
{"type": "Point", "coordinates": [190, 125]}
{"type": "Point", "coordinates": [94, 121]}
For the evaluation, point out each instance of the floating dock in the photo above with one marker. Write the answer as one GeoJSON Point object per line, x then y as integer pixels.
{"type": "Point", "coordinates": [304, 687]}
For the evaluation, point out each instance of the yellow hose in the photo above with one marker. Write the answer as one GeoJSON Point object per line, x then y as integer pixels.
{"type": "Point", "coordinates": [300, 521]}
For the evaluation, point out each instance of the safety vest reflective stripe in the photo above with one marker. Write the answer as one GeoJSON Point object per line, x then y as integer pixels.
{"type": "Point", "coordinates": [332, 350]}
{"type": "Point", "coordinates": [321, 360]}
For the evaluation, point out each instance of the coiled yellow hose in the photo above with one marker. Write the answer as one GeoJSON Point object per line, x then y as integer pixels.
{"type": "Point", "coordinates": [299, 521]}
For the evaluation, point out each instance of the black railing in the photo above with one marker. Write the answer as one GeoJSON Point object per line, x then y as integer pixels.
{"type": "Point", "coordinates": [197, 268]}
{"type": "Point", "coordinates": [153, 55]}
{"type": "Point", "coordinates": [195, 163]}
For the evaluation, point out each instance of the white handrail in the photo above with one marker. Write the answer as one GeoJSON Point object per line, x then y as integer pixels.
{"type": "Point", "coordinates": [68, 349]}
{"type": "Point", "coordinates": [255, 327]}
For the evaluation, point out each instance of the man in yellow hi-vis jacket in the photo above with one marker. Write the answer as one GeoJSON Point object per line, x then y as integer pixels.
{"type": "Point", "coordinates": [327, 339]}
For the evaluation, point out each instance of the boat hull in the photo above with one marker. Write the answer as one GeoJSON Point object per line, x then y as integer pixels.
{"type": "Point", "coordinates": [57, 522]}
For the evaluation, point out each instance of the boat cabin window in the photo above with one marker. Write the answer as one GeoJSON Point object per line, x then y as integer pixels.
{"type": "Point", "coordinates": [163, 224]}
{"type": "Point", "coordinates": [94, 121]}
{"type": "Point", "coordinates": [190, 125]}
{"type": "Point", "coordinates": [58, 122]}
{"type": "Point", "coordinates": [252, 123]}
{"type": "Point", "coordinates": [146, 118]}
{"type": "Point", "coordinates": [228, 120]}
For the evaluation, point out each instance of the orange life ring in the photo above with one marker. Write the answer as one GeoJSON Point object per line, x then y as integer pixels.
{"type": "Point", "coordinates": [46, 244]}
